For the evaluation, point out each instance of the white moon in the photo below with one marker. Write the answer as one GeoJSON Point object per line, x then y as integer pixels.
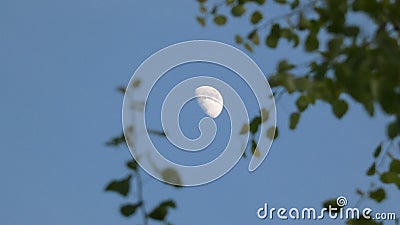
{"type": "Point", "coordinates": [210, 100]}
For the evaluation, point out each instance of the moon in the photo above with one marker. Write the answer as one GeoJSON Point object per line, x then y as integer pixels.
{"type": "Point", "coordinates": [210, 100]}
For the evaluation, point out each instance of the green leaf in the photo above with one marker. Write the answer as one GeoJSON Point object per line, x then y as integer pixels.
{"type": "Point", "coordinates": [362, 220]}
{"type": "Point", "coordinates": [378, 151]}
{"type": "Point", "coordinates": [351, 31]}
{"type": "Point", "coordinates": [229, 2]}
{"type": "Point", "coordinates": [398, 183]}
{"type": "Point", "coordinates": [161, 211]}
{"type": "Point", "coordinates": [271, 41]}
{"type": "Point", "coordinates": [214, 10]}
{"type": "Point", "coordinates": [290, 36]}
{"type": "Point", "coordinates": [132, 165]}
{"type": "Point", "coordinates": [288, 82]}
{"type": "Point", "coordinates": [272, 133]}
{"type": "Point", "coordinates": [256, 17]}
{"type": "Point", "coordinates": [315, 26]}
{"type": "Point", "coordinates": [378, 195]}
{"type": "Point", "coordinates": [157, 132]}
{"type": "Point", "coordinates": [220, 20]}
{"type": "Point", "coordinates": [302, 84]}
{"type": "Point", "coordinates": [121, 89]}
{"type": "Point", "coordinates": [245, 129]}
{"type": "Point", "coordinates": [264, 115]}
{"type": "Point", "coordinates": [273, 38]}
{"type": "Point", "coordinates": [259, 2]}
{"type": "Point", "coordinates": [395, 166]}
{"type": "Point", "coordinates": [248, 47]}
{"type": "Point", "coordinates": [238, 10]}
{"type": "Point", "coordinates": [302, 103]}
{"type": "Point", "coordinates": [389, 177]}
{"type": "Point", "coordinates": [120, 186]}
{"type": "Point", "coordinates": [280, 1]}
{"type": "Point", "coordinates": [254, 149]}
{"type": "Point", "coordinates": [340, 107]}
{"type": "Point", "coordinates": [393, 130]}
{"type": "Point", "coordinates": [312, 42]}
{"type": "Point", "coordinates": [201, 21]}
{"type": "Point", "coordinates": [366, 5]}
{"type": "Point", "coordinates": [171, 176]}
{"type": "Point", "coordinates": [331, 203]}
{"type": "Point", "coordinates": [238, 39]}
{"type": "Point", "coordinates": [115, 141]}
{"type": "Point", "coordinates": [303, 23]}
{"type": "Point", "coordinates": [253, 36]}
{"type": "Point", "coordinates": [295, 39]}
{"type": "Point", "coordinates": [294, 4]}
{"type": "Point", "coordinates": [168, 203]}
{"type": "Point", "coordinates": [244, 154]}
{"type": "Point", "coordinates": [202, 8]}
{"type": "Point", "coordinates": [130, 209]}
{"type": "Point", "coordinates": [334, 46]}
{"type": "Point", "coordinates": [284, 66]}
{"type": "Point", "coordinates": [254, 124]}
{"type": "Point", "coordinates": [372, 169]}
{"type": "Point", "coordinates": [294, 120]}
{"type": "Point", "coordinates": [136, 83]}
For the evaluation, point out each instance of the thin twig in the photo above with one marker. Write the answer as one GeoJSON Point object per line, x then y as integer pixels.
{"type": "Point", "coordinates": [287, 15]}
{"type": "Point", "coordinates": [384, 154]}
{"type": "Point", "coordinates": [140, 198]}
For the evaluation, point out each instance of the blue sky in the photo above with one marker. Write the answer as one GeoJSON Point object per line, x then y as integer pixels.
{"type": "Point", "coordinates": [61, 62]}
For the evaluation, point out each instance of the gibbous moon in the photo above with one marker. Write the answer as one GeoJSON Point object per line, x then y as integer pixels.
{"type": "Point", "coordinates": [210, 100]}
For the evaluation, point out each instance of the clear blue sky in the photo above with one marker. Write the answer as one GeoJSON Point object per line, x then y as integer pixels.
{"type": "Point", "coordinates": [60, 64]}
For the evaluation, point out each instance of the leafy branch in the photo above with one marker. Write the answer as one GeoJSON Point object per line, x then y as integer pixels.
{"type": "Point", "coordinates": [123, 186]}
{"type": "Point", "coordinates": [348, 63]}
